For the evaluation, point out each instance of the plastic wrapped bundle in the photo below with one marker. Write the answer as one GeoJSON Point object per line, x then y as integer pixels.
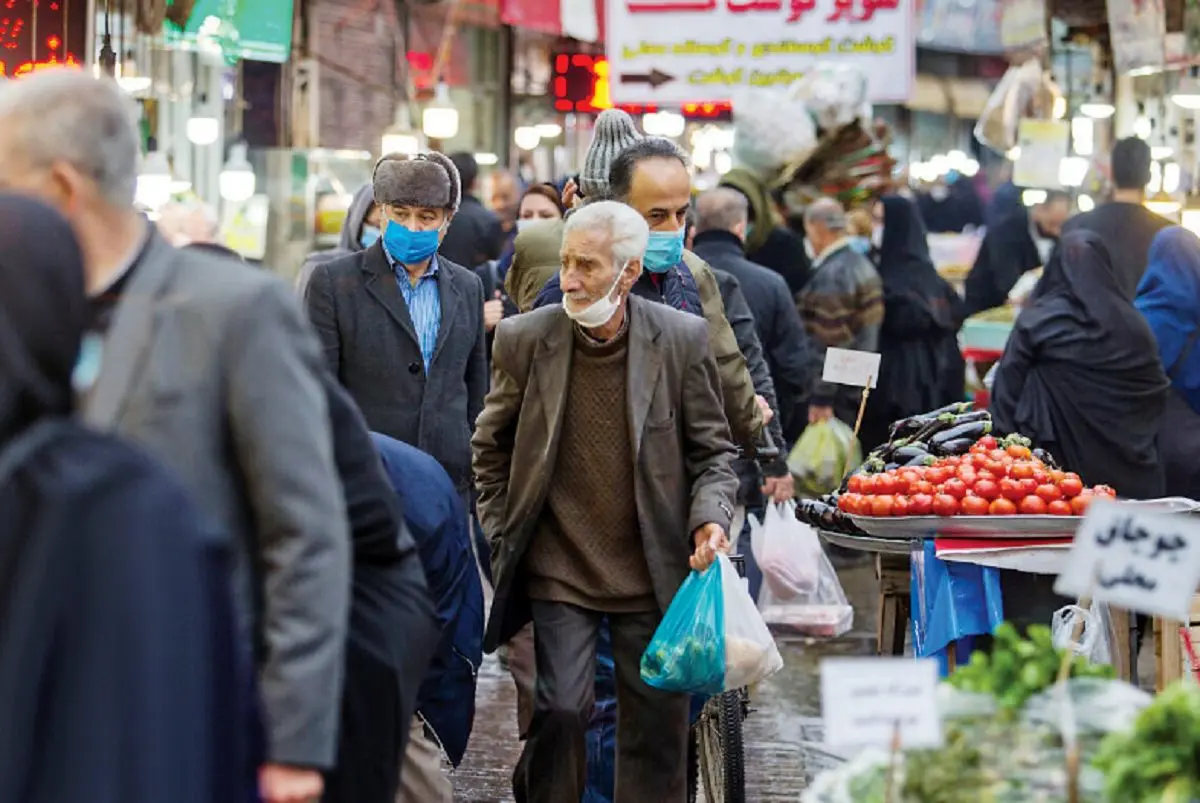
{"type": "Point", "coordinates": [834, 94]}
{"type": "Point", "coordinates": [771, 130]}
{"type": "Point", "coordinates": [1024, 91]}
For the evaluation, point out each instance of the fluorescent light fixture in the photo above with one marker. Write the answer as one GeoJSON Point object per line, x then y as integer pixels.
{"type": "Point", "coordinates": [1142, 127]}
{"type": "Point", "coordinates": [1085, 203]}
{"type": "Point", "coordinates": [487, 159]}
{"type": "Point", "coordinates": [1033, 197]}
{"type": "Point", "coordinates": [969, 168]}
{"type": "Point", "coordinates": [400, 136]}
{"type": "Point", "coordinates": [203, 130]}
{"type": "Point", "coordinates": [1072, 170]}
{"type": "Point", "coordinates": [1163, 204]}
{"type": "Point", "coordinates": [154, 181]}
{"type": "Point", "coordinates": [1083, 135]}
{"type": "Point", "coordinates": [526, 137]}
{"type": "Point", "coordinates": [1160, 152]}
{"type": "Point", "coordinates": [548, 130]}
{"type": "Point", "coordinates": [1014, 153]}
{"type": "Point", "coordinates": [1170, 177]}
{"type": "Point", "coordinates": [1187, 100]}
{"type": "Point", "coordinates": [440, 118]}
{"type": "Point", "coordinates": [1059, 109]}
{"type": "Point", "coordinates": [1098, 110]}
{"type": "Point", "coordinates": [237, 178]}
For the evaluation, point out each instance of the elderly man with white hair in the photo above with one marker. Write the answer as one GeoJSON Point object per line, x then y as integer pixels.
{"type": "Point", "coordinates": [603, 463]}
{"type": "Point", "coordinates": [213, 369]}
{"type": "Point", "coordinates": [841, 306]}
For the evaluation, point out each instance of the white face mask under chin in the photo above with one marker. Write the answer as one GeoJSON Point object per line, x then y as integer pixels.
{"type": "Point", "coordinates": [600, 311]}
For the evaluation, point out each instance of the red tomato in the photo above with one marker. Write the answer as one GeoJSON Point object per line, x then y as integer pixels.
{"type": "Point", "coordinates": [1019, 452]}
{"type": "Point", "coordinates": [1029, 486]}
{"type": "Point", "coordinates": [888, 483]}
{"type": "Point", "coordinates": [979, 448]}
{"type": "Point", "coordinates": [974, 506]}
{"type": "Point", "coordinates": [1070, 488]}
{"type": "Point", "coordinates": [987, 489]}
{"type": "Point", "coordinates": [1021, 471]}
{"type": "Point", "coordinates": [922, 487]}
{"type": "Point", "coordinates": [945, 505]}
{"type": "Point", "coordinates": [996, 467]}
{"type": "Point", "coordinates": [987, 442]}
{"type": "Point", "coordinates": [855, 484]}
{"type": "Point", "coordinates": [844, 503]}
{"type": "Point", "coordinates": [1042, 476]}
{"type": "Point", "coordinates": [1057, 476]}
{"type": "Point", "coordinates": [908, 477]}
{"type": "Point", "coordinates": [1070, 475]}
{"type": "Point", "coordinates": [997, 454]}
{"type": "Point", "coordinates": [900, 506]}
{"type": "Point", "coordinates": [866, 484]}
{"type": "Point", "coordinates": [1002, 507]}
{"type": "Point", "coordinates": [1107, 491]}
{"type": "Point", "coordinates": [1049, 491]}
{"type": "Point", "coordinates": [952, 460]}
{"type": "Point", "coordinates": [1059, 507]}
{"type": "Point", "coordinates": [979, 459]}
{"type": "Point", "coordinates": [955, 488]}
{"type": "Point", "coordinates": [1033, 506]}
{"type": "Point", "coordinates": [920, 505]}
{"type": "Point", "coordinates": [881, 505]}
{"type": "Point", "coordinates": [1011, 489]}
{"type": "Point", "coordinates": [966, 474]}
{"type": "Point", "coordinates": [939, 474]}
{"type": "Point", "coordinates": [1079, 504]}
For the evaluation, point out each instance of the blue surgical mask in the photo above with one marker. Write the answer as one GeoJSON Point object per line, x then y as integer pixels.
{"type": "Point", "coordinates": [369, 235]}
{"type": "Point", "coordinates": [87, 364]}
{"type": "Point", "coordinates": [861, 244]}
{"type": "Point", "coordinates": [409, 247]}
{"type": "Point", "coordinates": [663, 251]}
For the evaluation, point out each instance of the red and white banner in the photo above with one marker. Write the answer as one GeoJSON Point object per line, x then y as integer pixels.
{"type": "Point", "coordinates": [578, 19]}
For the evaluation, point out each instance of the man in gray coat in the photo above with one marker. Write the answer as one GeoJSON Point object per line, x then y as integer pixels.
{"type": "Point", "coordinates": [211, 368]}
{"type": "Point", "coordinates": [401, 325]}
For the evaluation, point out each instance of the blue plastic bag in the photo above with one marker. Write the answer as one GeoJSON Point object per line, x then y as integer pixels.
{"type": "Point", "coordinates": [687, 653]}
{"type": "Point", "coordinates": [712, 639]}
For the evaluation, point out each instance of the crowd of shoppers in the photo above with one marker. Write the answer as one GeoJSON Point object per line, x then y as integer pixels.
{"type": "Point", "coordinates": [577, 396]}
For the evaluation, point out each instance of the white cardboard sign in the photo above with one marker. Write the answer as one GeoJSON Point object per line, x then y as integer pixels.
{"type": "Point", "coordinates": [1145, 562]}
{"type": "Point", "coordinates": [847, 367]}
{"type": "Point", "coordinates": [864, 699]}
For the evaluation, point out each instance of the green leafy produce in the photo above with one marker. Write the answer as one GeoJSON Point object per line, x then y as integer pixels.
{"type": "Point", "coordinates": [1019, 668]}
{"type": "Point", "coordinates": [1158, 761]}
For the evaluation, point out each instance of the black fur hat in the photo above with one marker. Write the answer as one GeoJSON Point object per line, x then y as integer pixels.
{"type": "Point", "coordinates": [427, 179]}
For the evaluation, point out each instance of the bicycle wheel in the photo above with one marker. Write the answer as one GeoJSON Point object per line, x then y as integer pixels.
{"type": "Point", "coordinates": [731, 714]}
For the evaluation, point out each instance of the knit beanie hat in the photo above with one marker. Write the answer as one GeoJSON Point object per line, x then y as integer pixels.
{"type": "Point", "coordinates": [427, 179]}
{"type": "Point", "coordinates": [614, 132]}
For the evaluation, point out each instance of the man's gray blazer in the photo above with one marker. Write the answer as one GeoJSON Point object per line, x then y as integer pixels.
{"type": "Point", "coordinates": [371, 346]}
{"type": "Point", "coordinates": [212, 368]}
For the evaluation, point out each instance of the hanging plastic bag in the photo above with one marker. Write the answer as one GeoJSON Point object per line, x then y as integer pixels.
{"type": "Point", "coordinates": [1096, 638]}
{"type": "Point", "coordinates": [824, 455]}
{"type": "Point", "coordinates": [823, 613]}
{"type": "Point", "coordinates": [787, 550]}
{"type": "Point", "coordinates": [712, 638]}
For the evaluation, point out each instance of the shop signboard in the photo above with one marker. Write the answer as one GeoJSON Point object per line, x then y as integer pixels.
{"type": "Point", "coordinates": [678, 51]}
{"type": "Point", "coordinates": [34, 36]}
{"type": "Point", "coordinates": [1138, 29]}
{"type": "Point", "coordinates": [259, 30]}
{"type": "Point", "coordinates": [1044, 144]}
{"type": "Point", "coordinates": [965, 26]}
{"type": "Point", "coordinates": [1022, 24]}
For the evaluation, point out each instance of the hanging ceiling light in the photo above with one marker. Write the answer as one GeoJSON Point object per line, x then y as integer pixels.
{"type": "Point", "coordinates": [237, 177]}
{"type": "Point", "coordinates": [1085, 203]}
{"type": "Point", "coordinates": [154, 181]}
{"type": "Point", "coordinates": [203, 127]}
{"type": "Point", "coordinates": [1072, 170]}
{"type": "Point", "coordinates": [1187, 96]}
{"type": "Point", "coordinates": [440, 118]}
{"type": "Point", "coordinates": [129, 80]}
{"type": "Point", "coordinates": [401, 137]}
{"type": "Point", "coordinates": [1160, 152]}
{"type": "Point", "coordinates": [1098, 110]}
{"type": "Point", "coordinates": [1162, 204]}
{"type": "Point", "coordinates": [548, 130]}
{"type": "Point", "coordinates": [526, 137]}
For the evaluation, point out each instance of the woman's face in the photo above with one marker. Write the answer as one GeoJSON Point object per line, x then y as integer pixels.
{"type": "Point", "coordinates": [536, 207]}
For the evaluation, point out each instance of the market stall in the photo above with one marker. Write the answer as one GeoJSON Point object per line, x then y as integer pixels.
{"type": "Point", "coordinates": [945, 507]}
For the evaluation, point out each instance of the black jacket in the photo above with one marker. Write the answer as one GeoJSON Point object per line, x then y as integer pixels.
{"type": "Point", "coordinates": [475, 235]}
{"type": "Point", "coordinates": [780, 330]}
{"type": "Point", "coordinates": [1006, 253]}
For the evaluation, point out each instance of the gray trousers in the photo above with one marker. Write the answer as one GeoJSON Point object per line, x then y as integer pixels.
{"type": "Point", "coordinates": [652, 725]}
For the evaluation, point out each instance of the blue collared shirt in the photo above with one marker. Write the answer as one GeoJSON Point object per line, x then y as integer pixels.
{"type": "Point", "coordinates": [424, 304]}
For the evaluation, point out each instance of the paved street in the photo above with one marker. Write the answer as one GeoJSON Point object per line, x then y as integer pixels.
{"type": "Point", "coordinates": [775, 769]}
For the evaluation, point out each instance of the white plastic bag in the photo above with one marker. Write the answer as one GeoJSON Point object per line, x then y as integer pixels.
{"type": "Point", "coordinates": [787, 551]}
{"type": "Point", "coordinates": [1094, 641]}
{"type": "Point", "coordinates": [750, 652]}
{"type": "Point", "coordinates": [823, 613]}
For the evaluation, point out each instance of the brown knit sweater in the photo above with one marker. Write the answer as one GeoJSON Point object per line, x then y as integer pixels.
{"type": "Point", "coordinates": [587, 549]}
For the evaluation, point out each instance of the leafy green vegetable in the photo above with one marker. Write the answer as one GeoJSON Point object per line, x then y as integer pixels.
{"type": "Point", "coordinates": [1019, 668]}
{"type": "Point", "coordinates": [1158, 761]}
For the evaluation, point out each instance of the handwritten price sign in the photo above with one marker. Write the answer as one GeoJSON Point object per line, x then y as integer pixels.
{"type": "Point", "coordinates": [1146, 562]}
{"type": "Point", "coordinates": [846, 367]}
{"type": "Point", "coordinates": [868, 702]}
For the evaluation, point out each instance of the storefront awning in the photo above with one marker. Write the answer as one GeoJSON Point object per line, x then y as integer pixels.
{"type": "Point", "coordinates": [962, 97]}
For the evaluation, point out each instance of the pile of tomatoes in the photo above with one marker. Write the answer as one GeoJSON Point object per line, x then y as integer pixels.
{"type": "Point", "coordinates": [992, 479]}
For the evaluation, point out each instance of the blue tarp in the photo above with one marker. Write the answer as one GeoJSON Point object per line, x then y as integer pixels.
{"type": "Point", "coordinates": [951, 602]}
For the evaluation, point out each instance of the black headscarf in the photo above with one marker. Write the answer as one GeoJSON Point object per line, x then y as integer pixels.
{"type": "Point", "coordinates": [1081, 374]}
{"type": "Point", "coordinates": [908, 273]}
{"type": "Point", "coordinates": [42, 320]}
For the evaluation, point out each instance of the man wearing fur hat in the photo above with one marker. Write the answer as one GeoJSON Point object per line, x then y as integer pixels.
{"type": "Point", "coordinates": [402, 327]}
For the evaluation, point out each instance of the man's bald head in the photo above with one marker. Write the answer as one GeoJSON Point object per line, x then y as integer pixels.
{"type": "Point", "coordinates": [722, 209]}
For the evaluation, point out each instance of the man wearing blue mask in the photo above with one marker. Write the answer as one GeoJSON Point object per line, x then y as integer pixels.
{"type": "Point", "coordinates": [402, 326]}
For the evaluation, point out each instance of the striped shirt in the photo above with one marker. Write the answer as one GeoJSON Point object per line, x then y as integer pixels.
{"type": "Point", "coordinates": [424, 305]}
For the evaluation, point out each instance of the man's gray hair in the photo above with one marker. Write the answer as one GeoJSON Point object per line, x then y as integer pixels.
{"type": "Point", "coordinates": [827, 212]}
{"type": "Point", "coordinates": [722, 209]}
{"type": "Point", "coordinates": [70, 116]}
{"type": "Point", "coordinates": [626, 229]}
{"type": "Point", "coordinates": [620, 175]}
